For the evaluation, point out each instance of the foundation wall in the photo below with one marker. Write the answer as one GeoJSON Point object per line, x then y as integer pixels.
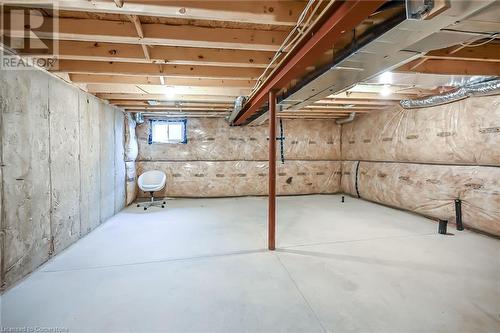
{"type": "Point", "coordinates": [63, 171]}
{"type": "Point", "coordinates": [423, 159]}
{"type": "Point", "coordinates": [220, 160]}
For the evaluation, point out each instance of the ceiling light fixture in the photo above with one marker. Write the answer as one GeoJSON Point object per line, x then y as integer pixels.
{"type": "Point", "coordinates": [385, 91]}
{"type": "Point", "coordinates": [169, 92]}
{"type": "Point", "coordinates": [385, 78]}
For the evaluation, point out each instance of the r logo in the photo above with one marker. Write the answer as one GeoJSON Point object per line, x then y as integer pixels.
{"type": "Point", "coordinates": [27, 35]}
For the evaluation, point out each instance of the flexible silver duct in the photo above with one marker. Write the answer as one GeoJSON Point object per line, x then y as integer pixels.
{"type": "Point", "coordinates": [238, 106]}
{"type": "Point", "coordinates": [139, 118]}
{"type": "Point", "coordinates": [490, 87]}
{"type": "Point", "coordinates": [351, 117]}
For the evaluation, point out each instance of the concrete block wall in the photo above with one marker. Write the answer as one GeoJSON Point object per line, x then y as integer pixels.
{"type": "Point", "coordinates": [423, 159]}
{"type": "Point", "coordinates": [63, 169]}
{"type": "Point", "coordinates": [220, 160]}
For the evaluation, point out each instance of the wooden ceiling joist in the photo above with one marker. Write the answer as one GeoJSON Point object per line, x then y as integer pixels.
{"type": "Point", "coordinates": [367, 102]}
{"type": "Point", "coordinates": [160, 89]}
{"type": "Point", "coordinates": [93, 30]}
{"type": "Point", "coordinates": [489, 52]}
{"type": "Point", "coordinates": [451, 67]}
{"type": "Point", "coordinates": [155, 80]}
{"type": "Point", "coordinates": [163, 97]}
{"type": "Point", "coordinates": [355, 107]}
{"type": "Point", "coordinates": [115, 52]}
{"type": "Point", "coordinates": [257, 12]}
{"type": "Point", "coordinates": [182, 108]}
{"type": "Point", "coordinates": [122, 68]}
{"type": "Point", "coordinates": [128, 103]}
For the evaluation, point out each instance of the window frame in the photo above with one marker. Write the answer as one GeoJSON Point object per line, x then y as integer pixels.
{"type": "Point", "coordinates": [152, 122]}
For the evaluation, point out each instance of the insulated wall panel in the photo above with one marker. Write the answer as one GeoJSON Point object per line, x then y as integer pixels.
{"type": "Point", "coordinates": [431, 190]}
{"type": "Point", "coordinates": [220, 160]}
{"type": "Point", "coordinates": [26, 172]}
{"type": "Point", "coordinates": [464, 132]}
{"type": "Point", "coordinates": [348, 181]}
{"type": "Point", "coordinates": [131, 152]}
{"type": "Point", "coordinates": [64, 163]}
{"type": "Point", "coordinates": [90, 180]}
{"type": "Point", "coordinates": [51, 167]}
{"type": "Point", "coordinates": [119, 136]}
{"type": "Point", "coordinates": [107, 161]}
{"type": "Point", "coordinates": [214, 139]}
{"type": "Point", "coordinates": [239, 178]}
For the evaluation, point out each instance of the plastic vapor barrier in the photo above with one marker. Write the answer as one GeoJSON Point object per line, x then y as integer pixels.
{"type": "Point", "coordinates": [430, 190]}
{"type": "Point", "coordinates": [213, 139]}
{"type": "Point", "coordinates": [464, 132]}
{"type": "Point", "coordinates": [240, 178]}
{"type": "Point", "coordinates": [131, 152]}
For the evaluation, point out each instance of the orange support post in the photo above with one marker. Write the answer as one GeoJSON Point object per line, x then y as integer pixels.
{"type": "Point", "coordinates": [272, 172]}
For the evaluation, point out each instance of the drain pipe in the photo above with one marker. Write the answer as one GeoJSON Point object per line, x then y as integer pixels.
{"type": "Point", "coordinates": [485, 88]}
{"type": "Point", "coordinates": [342, 121]}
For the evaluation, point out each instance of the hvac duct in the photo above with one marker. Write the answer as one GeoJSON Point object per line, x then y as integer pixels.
{"type": "Point", "coordinates": [351, 117]}
{"type": "Point", "coordinates": [388, 45]}
{"type": "Point", "coordinates": [238, 106]}
{"type": "Point", "coordinates": [139, 118]}
{"type": "Point", "coordinates": [478, 89]}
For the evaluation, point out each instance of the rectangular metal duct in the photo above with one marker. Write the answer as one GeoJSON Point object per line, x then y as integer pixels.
{"type": "Point", "coordinates": [404, 42]}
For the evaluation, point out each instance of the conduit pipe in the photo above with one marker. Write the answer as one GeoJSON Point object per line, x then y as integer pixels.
{"type": "Point", "coordinates": [490, 87]}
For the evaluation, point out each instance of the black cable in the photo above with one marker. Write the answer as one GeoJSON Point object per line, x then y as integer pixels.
{"type": "Point", "coordinates": [356, 181]}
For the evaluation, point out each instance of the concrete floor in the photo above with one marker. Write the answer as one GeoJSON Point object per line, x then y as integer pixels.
{"type": "Point", "coordinates": [201, 265]}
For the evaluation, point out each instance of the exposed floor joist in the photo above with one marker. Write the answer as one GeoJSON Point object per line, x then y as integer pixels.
{"type": "Point", "coordinates": [116, 52]}
{"type": "Point", "coordinates": [451, 67]}
{"type": "Point", "coordinates": [155, 80]}
{"type": "Point", "coordinates": [255, 12]}
{"type": "Point", "coordinates": [165, 70]}
{"type": "Point", "coordinates": [93, 30]}
{"type": "Point", "coordinates": [162, 97]}
{"type": "Point", "coordinates": [160, 89]}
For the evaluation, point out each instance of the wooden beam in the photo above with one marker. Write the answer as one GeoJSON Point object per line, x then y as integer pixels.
{"type": "Point", "coordinates": [356, 102]}
{"type": "Point", "coordinates": [352, 96]}
{"type": "Point", "coordinates": [255, 12]}
{"type": "Point", "coordinates": [137, 24]}
{"type": "Point", "coordinates": [114, 52]}
{"type": "Point", "coordinates": [96, 88]}
{"type": "Point", "coordinates": [192, 114]}
{"type": "Point", "coordinates": [181, 108]}
{"type": "Point", "coordinates": [452, 67]}
{"type": "Point", "coordinates": [307, 116]}
{"type": "Point", "coordinates": [134, 103]}
{"type": "Point", "coordinates": [154, 34]}
{"type": "Point", "coordinates": [140, 33]}
{"type": "Point", "coordinates": [325, 111]}
{"type": "Point", "coordinates": [314, 107]}
{"type": "Point", "coordinates": [162, 97]}
{"type": "Point", "coordinates": [488, 53]}
{"type": "Point", "coordinates": [155, 80]}
{"type": "Point", "coordinates": [122, 68]}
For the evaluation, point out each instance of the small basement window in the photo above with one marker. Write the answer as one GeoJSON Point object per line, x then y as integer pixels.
{"type": "Point", "coordinates": [167, 131]}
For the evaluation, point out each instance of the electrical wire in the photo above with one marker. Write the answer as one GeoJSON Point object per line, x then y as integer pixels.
{"type": "Point", "coordinates": [298, 30]}
{"type": "Point", "coordinates": [471, 44]}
